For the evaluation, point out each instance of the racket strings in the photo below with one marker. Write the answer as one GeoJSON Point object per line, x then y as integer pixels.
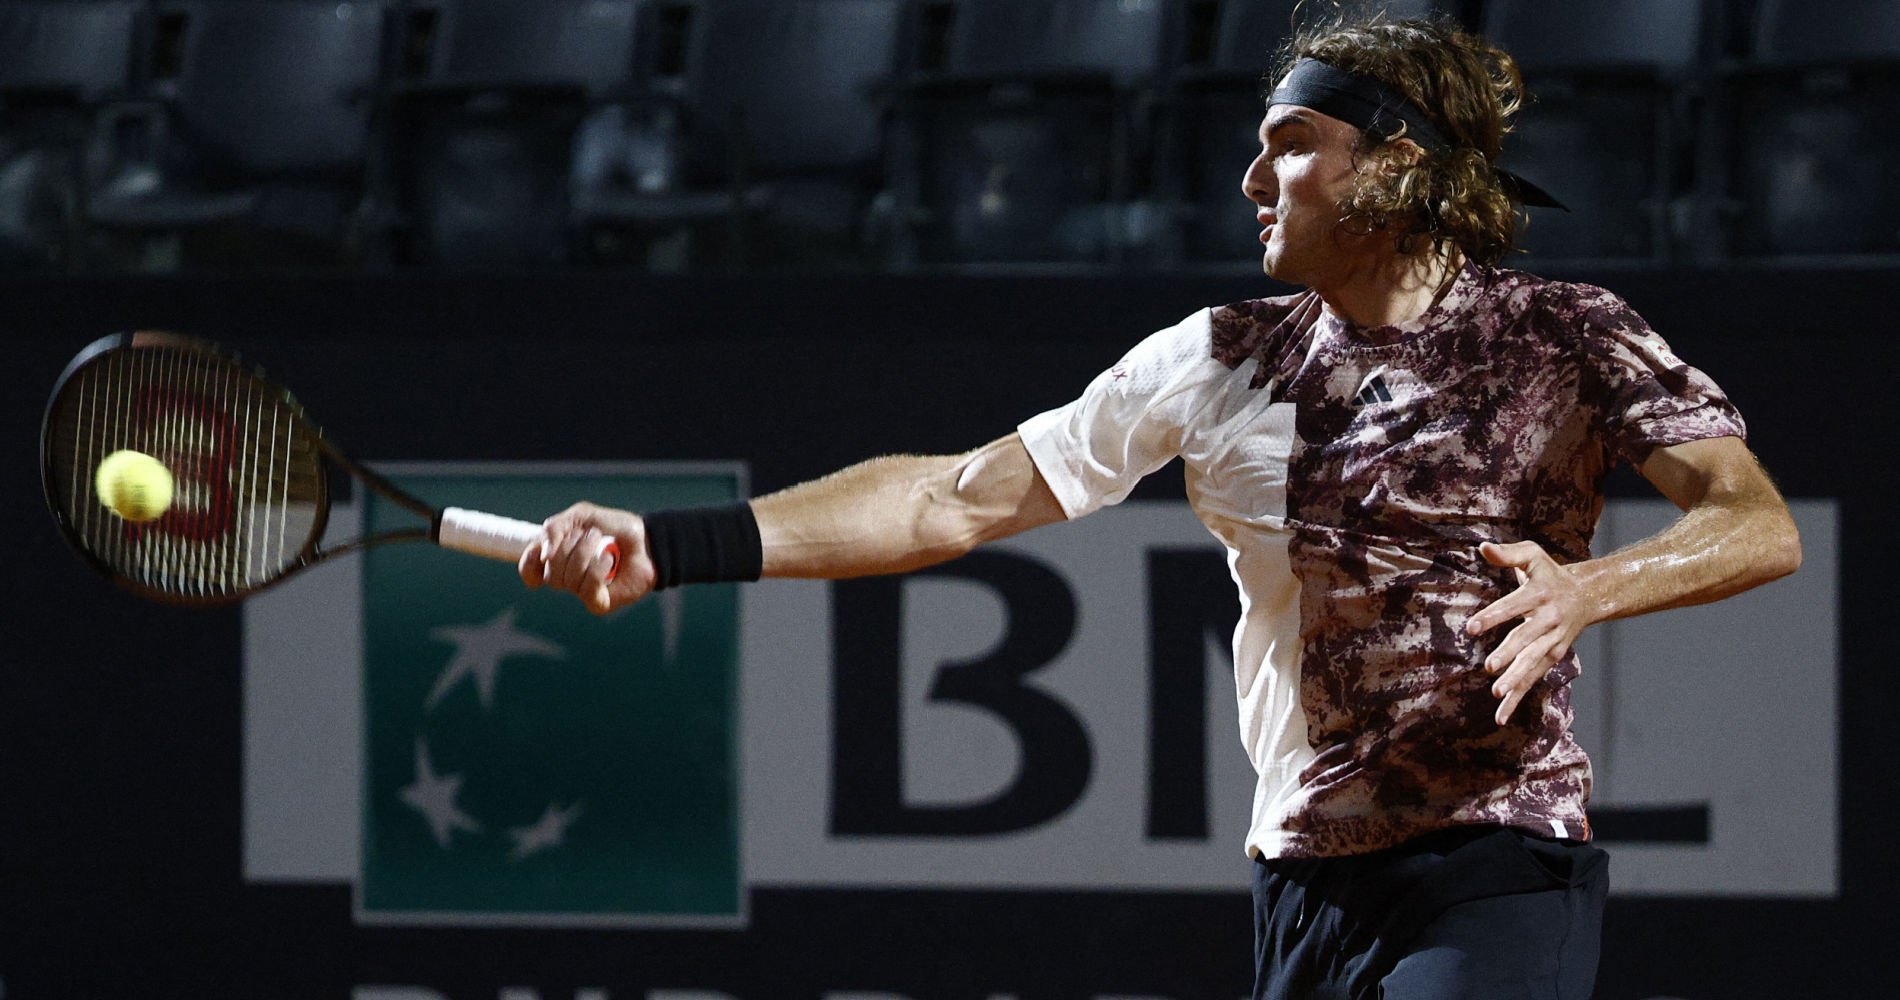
{"type": "Point", "coordinates": [246, 472]}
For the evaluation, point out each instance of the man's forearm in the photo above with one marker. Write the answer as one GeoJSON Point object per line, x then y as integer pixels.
{"type": "Point", "coordinates": [1717, 549]}
{"type": "Point", "coordinates": [902, 512]}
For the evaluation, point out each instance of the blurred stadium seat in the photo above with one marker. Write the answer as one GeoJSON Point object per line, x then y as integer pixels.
{"type": "Point", "coordinates": [1022, 129]}
{"type": "Point", "coordinates": [1805, 168]}
{"type": "Point", "coordinates": [60, 62]}
{"type": "Point", "coordinates": [1608, 132]}
{"type": "Point", "coordinates": [253, 136]}
{"type": "Point", "coordinates": [488, 102]}
{"type": "Point", "coordinates": [769, 152]}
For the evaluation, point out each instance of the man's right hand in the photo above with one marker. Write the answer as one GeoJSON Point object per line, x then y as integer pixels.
{"type": "Point", "coordinates": [570, 556]}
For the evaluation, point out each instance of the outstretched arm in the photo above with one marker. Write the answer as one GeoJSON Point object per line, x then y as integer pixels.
{"type": "Point", "coordinates": [1735, 533]}
{"type": "Point", "coordinates": [887, 515]}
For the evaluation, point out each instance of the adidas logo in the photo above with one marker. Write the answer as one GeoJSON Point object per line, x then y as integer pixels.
{"type": "Point", "coordinates": [1372, 392]}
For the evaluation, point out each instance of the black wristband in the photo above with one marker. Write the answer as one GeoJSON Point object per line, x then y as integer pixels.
{"type": "Point", "coordinates": [704, 545]}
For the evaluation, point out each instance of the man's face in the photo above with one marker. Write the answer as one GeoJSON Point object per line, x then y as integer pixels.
{"type": "Point", "coordinates": [1300, 181]}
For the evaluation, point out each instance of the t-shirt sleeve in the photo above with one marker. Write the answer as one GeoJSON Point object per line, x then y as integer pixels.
{"type": "Point", "coordinates": [1647, 397]}
{"type": "Point", "coordinates": [1129, 421]}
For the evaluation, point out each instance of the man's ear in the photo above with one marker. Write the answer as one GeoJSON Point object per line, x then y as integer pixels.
{"type": "Point", "coordinates": [1406, 152]}
{"type": "Point", "coordinates": [1393, 157]}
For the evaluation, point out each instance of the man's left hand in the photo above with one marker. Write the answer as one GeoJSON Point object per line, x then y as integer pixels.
{"type": "Point", "coordinates": [1554, 609]}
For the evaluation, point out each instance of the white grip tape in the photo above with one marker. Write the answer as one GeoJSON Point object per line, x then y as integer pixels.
{"type": "Point", "coordinates": [494, 536]}
{"type": "Point", "coordinates": [490, 535]}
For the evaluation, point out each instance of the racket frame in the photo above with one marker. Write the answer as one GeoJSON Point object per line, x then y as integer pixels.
{"type": "Point", "coordinates": [331, 458]}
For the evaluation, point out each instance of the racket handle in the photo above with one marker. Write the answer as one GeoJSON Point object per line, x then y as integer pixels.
{"type": "Point", "coordinates": [503, 538]}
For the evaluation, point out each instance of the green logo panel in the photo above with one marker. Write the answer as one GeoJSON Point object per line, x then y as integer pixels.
{"type": "Point", "coordinates": [527, 762]}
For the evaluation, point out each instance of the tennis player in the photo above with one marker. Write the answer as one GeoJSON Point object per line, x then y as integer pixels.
{"type": "Point", "coordinates": [1405, 462]}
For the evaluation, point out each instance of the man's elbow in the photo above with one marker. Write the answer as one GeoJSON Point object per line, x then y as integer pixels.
{"type": "Point", "coordinates": [1781, 550]}
{"type": "Point", "coordinates": [1790, 552]}
{"type": "Point", "coordinates": [1763, 521]}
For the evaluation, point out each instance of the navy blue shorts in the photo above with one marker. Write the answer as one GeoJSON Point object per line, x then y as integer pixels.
{"type": "Point", "coordinates": [1472, 913]}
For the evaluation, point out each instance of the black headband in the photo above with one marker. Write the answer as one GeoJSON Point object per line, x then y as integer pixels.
{"type": "Point", "coordinates": [1367, 103]}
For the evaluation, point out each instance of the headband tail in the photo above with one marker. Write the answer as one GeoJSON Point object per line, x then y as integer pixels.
{"type": "Point", "coordinates": [1527, 193]}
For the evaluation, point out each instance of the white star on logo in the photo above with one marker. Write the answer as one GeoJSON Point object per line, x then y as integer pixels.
{"type": "Point", "coordinates": [479, 650]}
{"type": "Point", "coordinates": [548, 831]}
{"type": "Point", "coordinates": [433, 796]}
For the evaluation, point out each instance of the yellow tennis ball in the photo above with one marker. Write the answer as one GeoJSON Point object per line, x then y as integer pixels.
{"type": "Point", "coordinates": [134, 485]}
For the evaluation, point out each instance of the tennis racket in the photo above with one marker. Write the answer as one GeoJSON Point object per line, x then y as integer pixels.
{"type": "Point", "coordinates": [250, 475]}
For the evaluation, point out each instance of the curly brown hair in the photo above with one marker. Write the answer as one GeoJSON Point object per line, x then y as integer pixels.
{"type": "Point", "coordinates": [1469, 88]}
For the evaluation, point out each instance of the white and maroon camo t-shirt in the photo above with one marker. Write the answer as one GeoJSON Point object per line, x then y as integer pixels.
{"type": "Point", "coordinates": [1351, 474]}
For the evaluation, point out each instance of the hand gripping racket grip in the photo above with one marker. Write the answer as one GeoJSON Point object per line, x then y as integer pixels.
{"type": "Point", "coordinates": [502, 538]}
